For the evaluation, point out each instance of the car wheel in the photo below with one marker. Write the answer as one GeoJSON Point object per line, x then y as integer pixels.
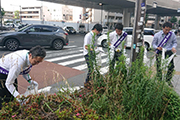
{"type": "Point", "coordinates": [146, 45]}
{"type": "Point", "coordinates": [104, 43]}
{"type": "Point", "coordinates": [58, 44]}
{"type": "Point", "coordinates": [12, 44]}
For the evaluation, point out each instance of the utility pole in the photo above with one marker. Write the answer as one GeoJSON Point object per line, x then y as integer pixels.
{"type": "Point", "coordinates": [138, 29]}
{"type": "Point", "coordinates": [20, 14]}
{"type": "Point", "coordinates": [1, 13]}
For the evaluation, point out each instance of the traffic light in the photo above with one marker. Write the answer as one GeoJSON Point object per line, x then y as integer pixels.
{"type": "Point", "coordinates": [87, 15]}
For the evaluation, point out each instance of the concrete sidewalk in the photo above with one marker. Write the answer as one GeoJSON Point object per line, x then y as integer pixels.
{"type": "Point", "coordinates": [176, 78]}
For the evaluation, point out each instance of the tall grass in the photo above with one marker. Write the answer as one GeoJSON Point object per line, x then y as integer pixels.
{"type": "Point", "coordinates": [132, 93]}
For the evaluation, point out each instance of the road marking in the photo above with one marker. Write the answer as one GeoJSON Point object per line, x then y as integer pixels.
{"type": "Point", "coordinates": [64, 57]}
{"type": "Point", "coordinates": [70, 46]}
{"type": "Point", "coordinates": [75, 61]}
{"type": "Point", "coordinates": [84, 66]}
{"type": "Point", "coordinates": [54, 54]}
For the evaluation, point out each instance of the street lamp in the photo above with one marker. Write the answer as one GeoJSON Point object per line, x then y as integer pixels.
{"type": "Point", "coordinates": [101, 4]}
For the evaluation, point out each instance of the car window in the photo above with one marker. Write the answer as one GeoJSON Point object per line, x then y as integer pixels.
{"type": "Point", "coordinates": [128, 31]}
{"type": "Point", "coordinates": [34, 29]}
{"type": "Point", "coordinates": [48, 29]}
{"type": "Point", "coordinates": [148, 32]}
{"type": "Point", "coordinates": [81, 26]}
{"type": "Point", "coordinates": [105, 28]}
{"type": "Point", "coordinates": [70, 28]}
{"type": "Point", "coordinates": [20, 30]}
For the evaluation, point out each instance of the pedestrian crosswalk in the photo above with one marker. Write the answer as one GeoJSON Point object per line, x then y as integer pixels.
{"type": "Point", "coordinates": [73, 57]}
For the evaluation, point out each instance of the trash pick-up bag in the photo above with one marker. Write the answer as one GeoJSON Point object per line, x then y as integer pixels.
{"type": "Point", "coordinates": [31, 90]}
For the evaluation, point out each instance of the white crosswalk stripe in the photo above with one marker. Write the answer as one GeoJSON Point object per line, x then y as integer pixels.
{"type": "Point", "coordinates": [65, 57]}
{"type": "Point", "coordinates": [74, 58]}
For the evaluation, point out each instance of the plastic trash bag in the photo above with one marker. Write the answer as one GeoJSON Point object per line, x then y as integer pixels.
{"type": "Point", "coordinates": [31, 90]}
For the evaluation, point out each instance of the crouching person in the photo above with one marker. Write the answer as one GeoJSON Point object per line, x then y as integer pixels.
{"type": "Point", "coordinates": [14, 64]}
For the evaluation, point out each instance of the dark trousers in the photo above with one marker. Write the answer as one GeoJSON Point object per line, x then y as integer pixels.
{"type": "Point", "coordinates": [89, 57]}
{"type": "Point", "coordinates": [116, 58]}
{"type": "Point", "coordinates": [170, 66]}
{"type": "Point", "coordinates": [5, 95]}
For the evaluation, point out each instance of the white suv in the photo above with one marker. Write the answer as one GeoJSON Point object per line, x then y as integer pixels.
{"type": "Point", "coordinates": [148, 36]}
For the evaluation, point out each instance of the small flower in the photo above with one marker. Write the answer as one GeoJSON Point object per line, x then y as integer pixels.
{"type": "Point", "coordinates": [91, 95]}
{"type": "Point", "coordinates": [77, 114]}
{"type": "Point", "coordinates": [13, 116]}
{"type": "Point", "coordinates": [54, 93]}
{"type": "Point", "coordinates": [80, 95]}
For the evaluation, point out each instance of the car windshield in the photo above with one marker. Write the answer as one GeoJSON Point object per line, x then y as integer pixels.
{"type": "Point", "coordinates": [23, 28]}
{"type": "Point", "coordinates": [105, 28]}
{"type": "Point", "coordinates": [70, 28]}
{"type": "Point", "coordinates": [81, 26]}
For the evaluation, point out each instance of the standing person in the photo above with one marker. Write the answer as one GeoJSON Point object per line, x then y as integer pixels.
{"type": "Point", "coordinates": [14, 64]}
{"type": "Point", "coordinates": [96, 30]}
{"type": "Point", "coordinates": [117, 37]}
{"type": "Point", "coordinates": [165, 39]}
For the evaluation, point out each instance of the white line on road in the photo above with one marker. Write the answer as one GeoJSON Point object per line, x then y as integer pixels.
{"type": "Point", "coordinates": [64, 57]}
{"type": "Point", "coordinates": [76, 60]}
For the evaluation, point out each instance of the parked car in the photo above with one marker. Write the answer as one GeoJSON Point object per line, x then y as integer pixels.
{"type": "Point", "coordinates": [31, 35]}
{"type": "Point", "coordinates": [4, 28]}
{"type": "Point", "coordinates": [102, 40]}
{"type": "Point", "coordinates": [105, 30]}
{"type": "Point", "coordinates": [70, 30]}
{"type": "Point", "coordinates": [148, 37]}
{"type": "Point", "coordinates": [82, 28]}
{"type": "Point", "coordinates": [175, 31]}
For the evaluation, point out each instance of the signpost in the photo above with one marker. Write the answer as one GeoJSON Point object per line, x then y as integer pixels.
{"type": "Point", "coordinates": [138, 29]}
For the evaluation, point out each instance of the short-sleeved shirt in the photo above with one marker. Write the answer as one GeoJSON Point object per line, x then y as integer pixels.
{"type": "Point", "coordinates": [158, 37]}
{"type": "Point", "coordinates": [88, 41]}
{"type": "Point", "coordinates": [114, 37]}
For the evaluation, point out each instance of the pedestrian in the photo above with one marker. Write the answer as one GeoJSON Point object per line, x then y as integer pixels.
{"type": "Point", "coordinates": [167, 40]}
{"type": "Point", "coordinates": [14, 64]}
{"type": "Point", "coordinates": [117, 37]}
{"type": "Point", "coordinates": [96, 30]}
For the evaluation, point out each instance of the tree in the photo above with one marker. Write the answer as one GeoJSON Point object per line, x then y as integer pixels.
{"type": "Point", "coordinates": [16, 14]}
{"type": "Point", "coordinates": [173, 19]}
{"type": "Point", "coordinates": [2, 12]}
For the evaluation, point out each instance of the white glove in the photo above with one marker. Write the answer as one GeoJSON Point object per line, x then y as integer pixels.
{"type": "Point", "coordinates": [33, 83]}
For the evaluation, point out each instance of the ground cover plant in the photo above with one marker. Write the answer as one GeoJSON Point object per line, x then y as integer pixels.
{"type": "Point", "coordinates": [127, 93]}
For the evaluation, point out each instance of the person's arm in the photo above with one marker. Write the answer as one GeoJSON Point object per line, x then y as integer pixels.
{"type": "Point", "coordinates": [174, 43]}
{"type": "Point", "coordinates": [13, 74]}
{"type": "Point", "coordinates": [155, 42]}
{"type": "Point", "coordinates": [87, 41]}
{"type": "Point", "coordinates": [111, 38]}
{"type": "Point", "coordinates": [125, 42]}
{"type": "Point", "coordinates": [27, 77]}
